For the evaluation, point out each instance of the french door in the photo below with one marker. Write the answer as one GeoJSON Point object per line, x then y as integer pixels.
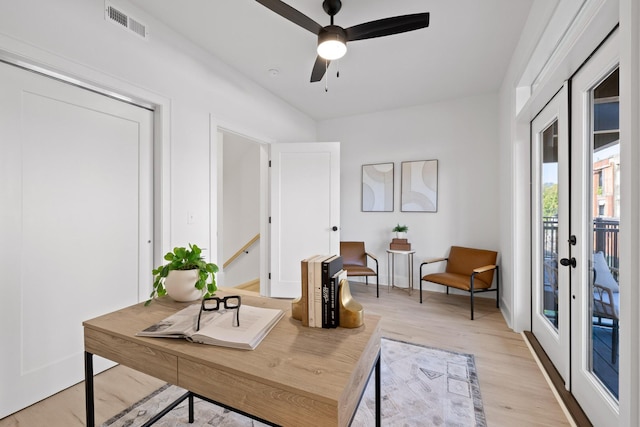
{"type": "Point", "coordinates": [595, 219]}
{"type": "Point", "coordinates": [575, 213]}
{"type": "Point", "coordinates": [550, 230]}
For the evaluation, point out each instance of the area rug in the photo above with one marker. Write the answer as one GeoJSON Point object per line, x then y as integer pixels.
{"type": "Point", "coordinates": [421, 386]}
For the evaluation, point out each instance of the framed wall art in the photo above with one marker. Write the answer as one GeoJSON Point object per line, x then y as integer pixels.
{"type": "Point", "coordinates": [419, 186]}
{"type": "Point", "coordinates": [377, 187]}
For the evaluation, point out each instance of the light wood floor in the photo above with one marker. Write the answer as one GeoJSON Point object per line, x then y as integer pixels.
{"type": "Point", "coordinates": [514, 391]}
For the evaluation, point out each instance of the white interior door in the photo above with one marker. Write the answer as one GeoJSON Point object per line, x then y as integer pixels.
{"type": "Point", "coordinates": [596, 221]}
{"type": "Point", "coordinates": [75, 226]}
{"type": "Point", "coordinates": [550, 320]}
{"type": "Point", "coordinates": [305, 210]}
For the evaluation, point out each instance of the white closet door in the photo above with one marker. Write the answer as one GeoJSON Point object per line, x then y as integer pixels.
{"type": "Point", "coordinates": [75, 226]}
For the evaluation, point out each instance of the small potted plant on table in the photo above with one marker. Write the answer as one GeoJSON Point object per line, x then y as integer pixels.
{"type": "Point", "coordinates": [401, 231]}
{"type": "Point", "coordinates": [186, 277]}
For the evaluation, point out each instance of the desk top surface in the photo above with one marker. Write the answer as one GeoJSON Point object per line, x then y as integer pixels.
{"type": "Point", "coordinates": [315, 361]}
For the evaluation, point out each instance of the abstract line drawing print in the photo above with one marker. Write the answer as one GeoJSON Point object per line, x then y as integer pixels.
{"type": "Point", "coordinates": [419, 186]}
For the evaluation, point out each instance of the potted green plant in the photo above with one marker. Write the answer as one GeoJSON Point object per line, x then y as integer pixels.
{"type": "Point", "coordinates": [186, 277]}
{"type": "Point", "coordinates": [401, 231]}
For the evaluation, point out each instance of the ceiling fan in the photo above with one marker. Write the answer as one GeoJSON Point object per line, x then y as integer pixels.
{"type": "Point", "coordinates": [332, 39]}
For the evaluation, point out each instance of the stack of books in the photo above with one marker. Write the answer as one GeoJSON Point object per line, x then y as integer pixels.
{"type": "Point", "coordinates": [400, 245]}
{"type": "Point", "coordinates": [320, 300]}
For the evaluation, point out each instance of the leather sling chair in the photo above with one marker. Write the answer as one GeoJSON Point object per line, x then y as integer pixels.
{"type": "Point", "coordinates": [467, 269]}
{"type": "Point", "coordinates": [354, 261]}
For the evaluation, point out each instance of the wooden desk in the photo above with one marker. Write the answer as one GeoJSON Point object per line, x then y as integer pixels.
{"type": "Point", "coordinates": [297, 376]}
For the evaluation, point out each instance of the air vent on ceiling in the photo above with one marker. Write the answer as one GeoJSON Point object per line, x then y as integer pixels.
{"type": "Point", "coordinates": [119, 17]}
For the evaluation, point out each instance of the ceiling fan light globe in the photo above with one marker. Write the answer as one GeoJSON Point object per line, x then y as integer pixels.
{"type": "Point", "coordinates": [332, 49]}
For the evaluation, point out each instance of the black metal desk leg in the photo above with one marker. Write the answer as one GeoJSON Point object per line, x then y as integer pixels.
{"type": "Point", "coordinates": [191, 417]}
{"type": "Point", "coordinates": [88, 388]}
{"type": "Point", "coordinates": [378, 400]}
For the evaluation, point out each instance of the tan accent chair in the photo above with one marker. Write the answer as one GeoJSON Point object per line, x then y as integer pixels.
{"type": "Point", "coordinates": [354, 261]}
{"type": "Point", "coordinates": [467, 269]}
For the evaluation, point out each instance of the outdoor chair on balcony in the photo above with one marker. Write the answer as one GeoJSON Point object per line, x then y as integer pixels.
{"type": "Point", "coordinates": [467, 269]}
{"type": "Point", "coordinates": [354, 262]}
{"type": "Point", "coordinates": [606, 300]}
{"type": "Point", "coordinates": [550, 267]}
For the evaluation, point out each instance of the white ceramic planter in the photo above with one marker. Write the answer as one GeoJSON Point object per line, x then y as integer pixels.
{"type": "Point", "coordinates": [180, 285]}
{"type": "Point", "coordinates": [401, 235]}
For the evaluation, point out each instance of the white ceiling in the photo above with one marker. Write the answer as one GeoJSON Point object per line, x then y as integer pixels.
{"type": "Point", "coordinates": [465, 50]}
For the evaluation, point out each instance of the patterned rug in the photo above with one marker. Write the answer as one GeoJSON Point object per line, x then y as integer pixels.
{"type": "Point", "coordinates": [421, 386]}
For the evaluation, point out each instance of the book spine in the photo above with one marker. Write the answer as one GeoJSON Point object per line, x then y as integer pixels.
{"type": "Point", "coordinates": [333, 313]}
{"type": "Point", "coordinates": [326, 279]}
{"type": "Point", "coordinates": [304, 298]}
{"type": "Point", "coordinates": [330, 267]}
{"type": "Point", "coordinates": [310, 294]}
{"type": "Point", "coordinates": [317, 296]}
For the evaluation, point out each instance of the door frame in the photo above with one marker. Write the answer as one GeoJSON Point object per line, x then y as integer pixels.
{"type": "Point", "coordinates": [217, 218]}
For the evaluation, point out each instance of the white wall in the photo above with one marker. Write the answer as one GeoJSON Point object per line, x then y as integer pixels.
{"type": "Point", "coordinates": [462, 135]}
{"type": "Point", "coordinates": [195, 93]}
{"type": "Point", "coordinates": [514, 173]}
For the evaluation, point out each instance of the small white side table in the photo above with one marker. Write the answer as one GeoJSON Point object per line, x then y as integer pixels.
{"type": "Point", "coordinates": [391, 261]}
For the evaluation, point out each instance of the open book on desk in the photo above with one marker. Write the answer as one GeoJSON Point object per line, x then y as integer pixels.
{"type": "Point", "coordinates": [218, 327]}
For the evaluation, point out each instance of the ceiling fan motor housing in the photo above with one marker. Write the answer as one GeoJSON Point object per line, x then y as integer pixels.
{"type": "Point", "coordinates": [336, 37]}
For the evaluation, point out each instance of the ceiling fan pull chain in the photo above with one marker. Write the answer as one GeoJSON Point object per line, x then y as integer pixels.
{"type": "Point", "coordinates": [338, 67]}
{"type": "Point", "coordinates": [326, 76]}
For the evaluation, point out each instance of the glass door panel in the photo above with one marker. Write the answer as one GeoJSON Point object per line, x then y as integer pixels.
{"type": "Point", "coordinates": [605, 215]}
{"type": "Point", "coordinates": [549, 225]}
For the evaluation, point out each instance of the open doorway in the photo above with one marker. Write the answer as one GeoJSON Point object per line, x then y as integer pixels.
{"type": "Point", "coordinates": [239, 214]}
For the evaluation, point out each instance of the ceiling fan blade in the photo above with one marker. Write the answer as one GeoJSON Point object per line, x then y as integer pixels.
{"type": "Point", "coordinates": [388, 26]}
{"type": "Point", "coordinates": [292, 15]}
{"type": "Point", "coordinates": [319, 68]}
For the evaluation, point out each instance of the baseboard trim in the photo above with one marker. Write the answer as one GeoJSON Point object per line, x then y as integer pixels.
{"type": "Point", "coordinates": [569, 404]}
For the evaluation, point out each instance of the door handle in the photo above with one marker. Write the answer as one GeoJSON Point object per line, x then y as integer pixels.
{"type": "Point", "coordinates": [568, 262]}
{"type": "Point", "coordinates": [334, 228]}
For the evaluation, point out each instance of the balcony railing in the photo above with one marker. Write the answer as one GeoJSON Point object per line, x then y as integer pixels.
{"type": "Point", "coordinates": [605, 239]}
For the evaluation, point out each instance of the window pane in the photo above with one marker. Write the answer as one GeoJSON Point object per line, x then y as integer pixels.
{"type": "Point", "coordinates": [605, 194]}
{"type": "Point", "coordinates": [550, 222]}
